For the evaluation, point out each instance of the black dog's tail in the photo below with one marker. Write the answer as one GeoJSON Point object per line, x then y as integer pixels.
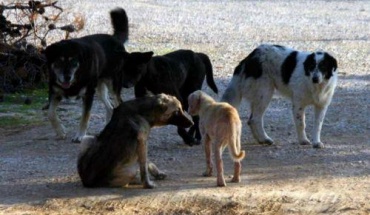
{"type": "Point", "coordinates": [120, 24]}
{"type": "Point", "coordinates": [209, 72]}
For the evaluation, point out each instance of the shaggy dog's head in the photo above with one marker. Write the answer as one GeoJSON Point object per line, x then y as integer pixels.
{"type": "Point", "coordinates": [171, 112]}
{"type": "Point", "coordinates": [320, 67]}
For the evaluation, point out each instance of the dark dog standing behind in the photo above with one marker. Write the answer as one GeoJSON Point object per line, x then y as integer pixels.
{"type": "Point", "coordinates": [78, 67]}
{"type": "Point", "coordinates": [114, 156]}
{"type": "Point", "coordinates": [178, 73]}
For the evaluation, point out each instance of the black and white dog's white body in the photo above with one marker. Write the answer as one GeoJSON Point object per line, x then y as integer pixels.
{"type": "Point", "coordinates": [305, 78]}
{"type": "Point", "coordinates": [79, 67]}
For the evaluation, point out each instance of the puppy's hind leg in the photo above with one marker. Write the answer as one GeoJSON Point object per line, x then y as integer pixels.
{"type": "Point", "coordinates": [259, 104]}
{"type": "Point", "coordinates": [237, 163]}
{"type": "Point", "coordinates": [207, 150]}
{"type": "Point", "coordinates": [219, 164]}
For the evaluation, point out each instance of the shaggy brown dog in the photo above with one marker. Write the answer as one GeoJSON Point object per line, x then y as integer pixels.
{"type": "Point", "coordinates": [220, 126]}
{"type": "Point", "coordinates": [113, 158]}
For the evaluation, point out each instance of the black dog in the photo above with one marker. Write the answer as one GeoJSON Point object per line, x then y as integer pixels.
{"type": "Point", "coordinates": [77, 67]}
{"type": "Point", "coordinates": [113, 158]}
{"type": "Point", "coordinates": [178, 73]}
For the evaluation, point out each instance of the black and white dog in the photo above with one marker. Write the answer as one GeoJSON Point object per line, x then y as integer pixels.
{"type": "Point", "coordinates": [79, 67]}
{"type": "Point", "coordinates": [306, 78]}
{"type": "Point", "coordinates": [178, 73]}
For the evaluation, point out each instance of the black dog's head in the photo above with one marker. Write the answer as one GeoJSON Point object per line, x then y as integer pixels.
{"type": "Point", "coordinates": [134, 68]}
{"type": "Point", "coordinates": [320, 66]}
{"type": "Point", "coordinates": [168, 110]}
{"type": "Point", "coordinates": [63, 60]}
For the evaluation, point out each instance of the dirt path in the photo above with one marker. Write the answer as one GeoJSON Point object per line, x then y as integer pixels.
{"type": "Point", "coordinates": [38, 174]}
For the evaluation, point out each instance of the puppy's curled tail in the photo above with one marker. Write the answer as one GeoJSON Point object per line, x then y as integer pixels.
{"type": "Point", "coordinates": [236, 156]}
{"type": "Point", "coordinates": [120, 24]}
{"type": "Point", "coordinates": [235, 147]}
{"type": "Point", "coordinates": [209, 71]}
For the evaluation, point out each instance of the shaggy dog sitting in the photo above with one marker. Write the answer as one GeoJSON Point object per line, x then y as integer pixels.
{"type": "Point", "coordinates": [220, 126]}
{"type": "Point", "coordinates": [113, 158]}
{"type": "Point", "coordinates": [305, 78]}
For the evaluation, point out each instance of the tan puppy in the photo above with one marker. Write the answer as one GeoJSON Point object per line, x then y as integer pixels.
{"type": "Point", "coordinates": [220, 126]}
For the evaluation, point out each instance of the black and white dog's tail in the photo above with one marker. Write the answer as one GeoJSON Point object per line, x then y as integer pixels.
{"type": "Point", "coordinates": [209, 71]}
{"type": "Point", "coordinates": [120, 24]}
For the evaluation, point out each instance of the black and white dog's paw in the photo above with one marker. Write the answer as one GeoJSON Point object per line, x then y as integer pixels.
{"type": "Point", "coordinates": [318, 145]}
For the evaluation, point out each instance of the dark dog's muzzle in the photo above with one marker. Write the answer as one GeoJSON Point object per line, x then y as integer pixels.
{"type": "Point", "coordinates": [181, 119]}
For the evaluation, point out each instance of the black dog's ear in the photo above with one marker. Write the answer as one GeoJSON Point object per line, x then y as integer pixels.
{"type": "Point", "coordinates": [149, 93]}
{"type": "Point", "coordinates": [143, 57]}
{"type": "Point", "coordinates": [138, 57]}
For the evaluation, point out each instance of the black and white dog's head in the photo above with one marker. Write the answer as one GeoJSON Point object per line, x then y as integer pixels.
{"type": "Point", "coordinates": [63, 61]}
{"type": "Point", "coordinates": [320, 66]}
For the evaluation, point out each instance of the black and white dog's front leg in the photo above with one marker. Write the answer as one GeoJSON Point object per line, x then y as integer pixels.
{"type": "Point", "coordinates": [54, 100]}
{"type": "Point", "coordinates": [320, 112]}
{"type": "Point", "coordinates": [299, 121]}
{"type": "Point", "coordinates": [86, 112]}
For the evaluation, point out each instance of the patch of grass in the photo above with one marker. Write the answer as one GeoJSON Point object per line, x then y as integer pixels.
{"type": "Point", "coordinates": [15, 112]}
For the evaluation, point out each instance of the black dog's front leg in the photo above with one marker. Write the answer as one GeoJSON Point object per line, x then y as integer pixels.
{"type": "Point", "coordinates": [194, 130]}
{"type": "Point", "coordinates": [189, 140]}
{"type": "Point", "coordinates": [87, 104]}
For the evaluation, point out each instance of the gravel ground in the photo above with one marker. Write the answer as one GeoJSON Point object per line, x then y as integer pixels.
{"type": "Point", "coordinates": [38, 174]}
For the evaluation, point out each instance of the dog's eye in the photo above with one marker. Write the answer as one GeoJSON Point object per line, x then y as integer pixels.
{"type": "Point", "coordinates": [323, 67]}
{"type": "Point", "coordinates": [312, 66]}
{"type": "Point", "coordinates": [176, 113]}
{"type": "Point", "coordinates": [74, 62]}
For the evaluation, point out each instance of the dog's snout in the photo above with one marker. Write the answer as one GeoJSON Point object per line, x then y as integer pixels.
{"type": "Point", "coordinates": [181, 119]}
{"type": "Point", "coordinates": [67, 78]}
{"type": "Point", "coordinates": [315, 79]}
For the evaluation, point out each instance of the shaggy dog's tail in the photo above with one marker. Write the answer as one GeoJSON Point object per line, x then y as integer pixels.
{"type": "Point", "coordinates": [209, 72]}
{"type": "Point", "coordinates": [120, 24]}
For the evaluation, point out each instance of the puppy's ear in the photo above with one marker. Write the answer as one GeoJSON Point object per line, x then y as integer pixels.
{"type": "Point", "coordinates": [194, 103]}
